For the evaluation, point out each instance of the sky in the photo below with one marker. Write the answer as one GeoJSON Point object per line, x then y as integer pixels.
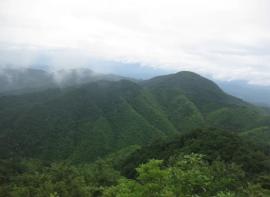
{"type": "Point", "coordinates": [223, 39]}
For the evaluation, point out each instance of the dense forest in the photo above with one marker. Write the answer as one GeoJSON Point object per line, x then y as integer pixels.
{"type": "Point", "coordinates": [174, 135]}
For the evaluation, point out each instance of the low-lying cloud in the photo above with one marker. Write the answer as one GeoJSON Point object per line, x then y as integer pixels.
{"type": "Point", "coordinates": [224, 39]}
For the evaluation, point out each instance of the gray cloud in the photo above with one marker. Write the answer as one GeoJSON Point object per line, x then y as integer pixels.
{"type": "Point", "coordinates": [224, 39]}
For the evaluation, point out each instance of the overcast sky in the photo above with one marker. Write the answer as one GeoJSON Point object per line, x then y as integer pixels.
{"type": "Point", "coordinates": [225, 39]}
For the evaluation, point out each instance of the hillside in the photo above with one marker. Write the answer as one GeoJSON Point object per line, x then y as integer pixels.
{"type": "Point", "coordinates": [213, 143]}
{"type": "Point", "coordinates": [24, 80]}
{"type": "Point", "coordinates": [260, 136]}
{"type": "Point", "coordinates": [251, 93]}
{"type": "Point", "coordinates": [186, 93]}
{"type": "Point", "coordinates": [80, 123]}
{"type": "Point", "coordinates": [204, 93]}
{"type": "Point", "coordinates": [202, 163]}
{"type": "Point", "coordinates": [85, 122]}
{"type": "Point", "coordinates": [27, 80]}
{"type": "Point", "coordinates": [123, 138]}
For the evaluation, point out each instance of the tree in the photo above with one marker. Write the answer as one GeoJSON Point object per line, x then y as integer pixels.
{"type": "Point", "coordinates": [187, 175]}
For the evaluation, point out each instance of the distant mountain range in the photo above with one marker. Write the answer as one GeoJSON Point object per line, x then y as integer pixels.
{"type": "Point", "coordinates": [16, 81]}
{"type": "Point", "coordinates": [256, 94]}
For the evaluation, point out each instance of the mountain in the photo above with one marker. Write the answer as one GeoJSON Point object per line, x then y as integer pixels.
{"type": "Point", "coordinates": [81, 123]}
{"type": "Point", "coordinates": [204, 93]}
{"type": "Point", "coordinates": [178, 134]}
{"type": "Point", "coordinates": [251, 93]}
{"type": "Point", "coordinates": [260, 136]}
{"type": "Point", "coordinates": [197, 101]}
{"type": "Point", "coordinates": [79, 76]}
{"type": "Point", "coordinates": [26, 80]}
{"type": "Point", "coordinates": [213, 143]}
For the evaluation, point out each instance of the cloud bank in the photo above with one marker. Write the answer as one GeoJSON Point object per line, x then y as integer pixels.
{"type": "Point", "coordinates": [223, 39]}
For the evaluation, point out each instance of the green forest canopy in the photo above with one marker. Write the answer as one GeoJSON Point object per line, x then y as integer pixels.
{"type": "Point", "coordinates": [101, 139]}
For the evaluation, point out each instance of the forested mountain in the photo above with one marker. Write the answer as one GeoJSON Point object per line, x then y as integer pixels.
{"type": "Point", "coordinates": [80, 122]}
{"type": "Point", "coordinates": [86, 122]}
{"type": "Point", "coordinates": [25, 80]}
{"type": "Point", "coordinates": [213, 143]}
{"type": "Point", "coordinates": [204, 93]}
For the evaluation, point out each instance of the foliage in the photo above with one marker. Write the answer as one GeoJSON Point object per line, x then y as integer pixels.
{"type": "Point", "coordinates": [133, 139]}
{"type": "Point", "coordinates": [80, 124]}
{"type": "Point", "coordinates": [58, 179]}
{"type": "Point", "coordinates": [187, 175]}
{"type": "Point", "coordinates": [86, 122]}
{"type": "Point", "coordinates": [236, 119]}
{"type": "Point", "coordinates": [260, 136]}
{"type": "Point", "coordinates": [214, 144]}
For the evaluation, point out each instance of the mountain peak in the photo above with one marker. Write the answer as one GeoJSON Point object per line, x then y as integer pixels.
{"type": "Point", "coordinates": [197, 88]}
{"type": "Point", "coordinates": [183, 80]}
{"type": "Point", "coordinates": [187, 73]}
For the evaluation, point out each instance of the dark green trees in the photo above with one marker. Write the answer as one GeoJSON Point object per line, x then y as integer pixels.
{"type": "Point", "coordinates": [188, 175]}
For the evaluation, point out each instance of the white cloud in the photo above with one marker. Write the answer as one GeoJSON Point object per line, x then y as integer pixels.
{"type": "Point", "coordinates": [225, 39]}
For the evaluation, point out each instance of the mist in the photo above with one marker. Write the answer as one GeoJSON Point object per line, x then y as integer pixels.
{"type": "Point", "coordinates": [225, 40]}
{"type": "Point", "coordinates": [17, 80]}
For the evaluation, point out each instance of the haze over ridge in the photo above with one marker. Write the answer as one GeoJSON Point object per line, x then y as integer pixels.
{"type": "Point", "coordinates": [227, 40]}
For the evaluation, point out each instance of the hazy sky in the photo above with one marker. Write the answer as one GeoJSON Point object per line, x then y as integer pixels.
{"type": "Point", "coordinates": [225, 39]}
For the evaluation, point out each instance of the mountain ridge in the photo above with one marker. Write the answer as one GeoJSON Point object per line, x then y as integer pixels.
{"type": "Point", "coordinates": [82, 123]}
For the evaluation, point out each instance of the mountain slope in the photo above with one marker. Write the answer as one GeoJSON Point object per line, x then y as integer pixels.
{"type": "Point", "coordinates": [251, 93]}
{"type": "Point", "coordinates": [49, 140]}
{"type": "Point", "coordinates": [88, 121]}
{"type": "Point", "coordinates": [214, 144]}
{"type": "Point", "coordinates": [260, 136]}
{"type": "Point", "coordinates": [26, 80]}
{"type": "Point", "coordinates": [192, 101]}
{"type": "Point", "coordinates": [81, 123]}
{"type": "Point", "coordinates": [205, 94]}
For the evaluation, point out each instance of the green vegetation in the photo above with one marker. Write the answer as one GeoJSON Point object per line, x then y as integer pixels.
{"type": "Point", "coordinates": [60, 124]}
{"type": "Point", "coordinates": [186, 175]}
{"type": "Point", "coordinates": [260, 136]}
{"type": "Point", "coordinates": [214, 144]}
{"type": "Point", "coordinates": [174, 135]}
{"type": "Point", "coordinates": [182, 175]}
